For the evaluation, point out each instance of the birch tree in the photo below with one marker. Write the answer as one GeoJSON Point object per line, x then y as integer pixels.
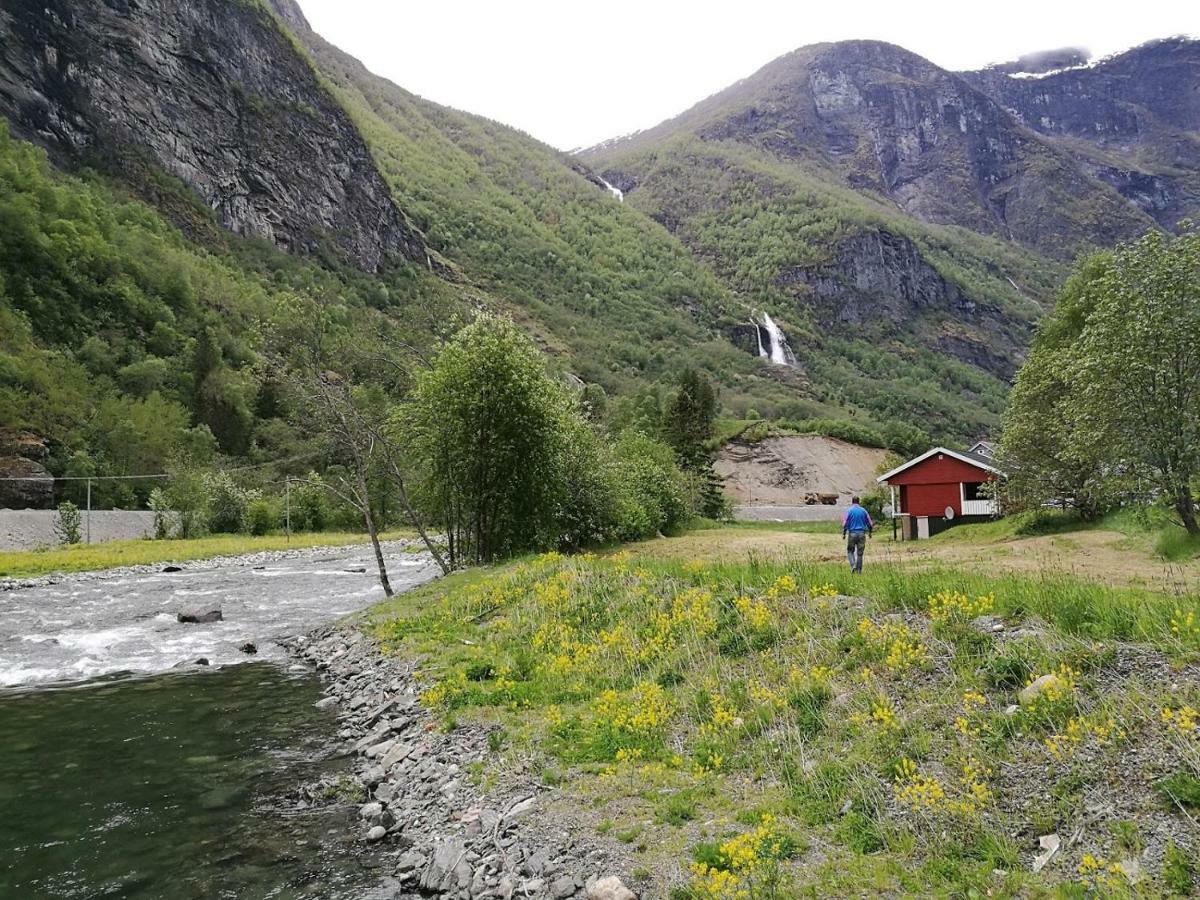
{"type": "Point", "coordinates": [1108, 403]}
{"type": "Point", "coordinates": [1138, 371]}
{"type": "Point", "coordinates": [485, 427]}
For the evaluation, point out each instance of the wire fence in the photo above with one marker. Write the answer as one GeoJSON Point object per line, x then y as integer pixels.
{"type": "Point", "coordinates": [88, 481]}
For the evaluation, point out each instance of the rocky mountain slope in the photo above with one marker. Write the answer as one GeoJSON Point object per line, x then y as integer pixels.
{"type": "Point", "coordinates": [902, 224]}
{"type": "Point", "coordinates": [982, 150]}
{"type": "Point", "coordinates": [1131, 122]}
{"type": "Point", "coordinates": [214, 94]}
{"type": "Point", "coordinates": [885, 208]}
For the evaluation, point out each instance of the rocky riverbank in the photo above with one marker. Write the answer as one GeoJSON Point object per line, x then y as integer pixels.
{"type": "Point", "coordinates": [421, 815]}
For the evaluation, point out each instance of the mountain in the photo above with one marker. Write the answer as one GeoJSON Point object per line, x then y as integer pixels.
{"type": "Point", "coordinates": [1019, 158]}
{"type": "Point", "coordinates": [205, 168]}
{"type": "Point", "coordinates": [214, 94]}
{"type": "Point", "coordinates": [1132, 122]}
{"type": "Point", "coordinates": [890, 211]}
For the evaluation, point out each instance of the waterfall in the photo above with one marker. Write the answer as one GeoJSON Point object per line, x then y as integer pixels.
{"type": "Point", "coordinates": [780, 353]}
{"type": "Point", "coordinates": [615, 191]}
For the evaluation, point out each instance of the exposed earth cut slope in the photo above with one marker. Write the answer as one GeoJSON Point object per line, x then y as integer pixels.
{"type": "Point", "coordinates": [794, 470]}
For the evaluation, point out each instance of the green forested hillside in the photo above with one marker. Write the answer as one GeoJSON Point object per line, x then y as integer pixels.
{"type": "Point", "coordinates": [127, 346]}
{"type": "Point", "coordinates": [754, 220]}
{"type": "Point", "coordinates": [137, 329]}
{"type": "Point", "coordinates": [905, 224]}
{"type": "Point", "coordinates": [629, 302]}
{"type": "Point", "coordinates": [596, 281]}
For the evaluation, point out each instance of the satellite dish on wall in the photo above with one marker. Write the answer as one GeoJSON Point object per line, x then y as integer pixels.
{"type": "Point", "coordinates": [949, 512]}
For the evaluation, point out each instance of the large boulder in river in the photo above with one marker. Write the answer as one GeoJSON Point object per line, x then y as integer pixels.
{"type": "Point", "coordinates": [200, 615]}
{"type": "Point", "coordinates": [34, 490]}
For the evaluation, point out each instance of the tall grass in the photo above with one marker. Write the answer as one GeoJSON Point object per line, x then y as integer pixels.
{"type": "Point", "coordinates": [1069, 604]}
{"type": "Point", "coordinates": [108, 555]}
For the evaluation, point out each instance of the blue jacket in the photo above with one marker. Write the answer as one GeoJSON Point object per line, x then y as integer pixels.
{"type": "Point", "coordinates": [857, 519]}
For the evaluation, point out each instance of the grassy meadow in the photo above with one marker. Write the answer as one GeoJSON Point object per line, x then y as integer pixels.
{"type": "Point", "coordinates": [770, 726]}
{"type": "Point", "coordinates": [111, 554]}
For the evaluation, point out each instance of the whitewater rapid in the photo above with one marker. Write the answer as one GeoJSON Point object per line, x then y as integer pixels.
{"type": "Point", "coordinates": [93, 625]}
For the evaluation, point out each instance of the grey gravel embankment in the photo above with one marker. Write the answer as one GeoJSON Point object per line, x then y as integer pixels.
{"type": "Point", "coordinates": [29, 529]}
{"type": "Point", "coordinates": [437, 832]}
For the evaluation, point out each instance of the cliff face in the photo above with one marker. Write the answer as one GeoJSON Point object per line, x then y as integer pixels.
{"type": "Point", "coordinates": [216, 94]}
{"type": "Point", "coordinates": [1128, 98]}
{"type": "Point", "coordinates": [1132, 121]}
{"type": "Point", "coordinates": [878, 278]}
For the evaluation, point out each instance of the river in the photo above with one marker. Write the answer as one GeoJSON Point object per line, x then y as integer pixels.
{"type": "Point", "coordinates": [122, 776]}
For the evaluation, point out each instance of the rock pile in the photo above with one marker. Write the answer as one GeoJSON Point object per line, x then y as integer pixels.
{"type": "Point", "coordinates": [447, 838]}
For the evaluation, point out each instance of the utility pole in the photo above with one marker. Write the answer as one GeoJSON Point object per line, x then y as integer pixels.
{"type": "Point", "coordinates": [287, 507]}
{"type": "Point", "coordinates": [89, 510]}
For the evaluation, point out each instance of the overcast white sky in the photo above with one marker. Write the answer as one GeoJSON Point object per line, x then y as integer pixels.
{"type": "Point", "coordinates": [573, 74]}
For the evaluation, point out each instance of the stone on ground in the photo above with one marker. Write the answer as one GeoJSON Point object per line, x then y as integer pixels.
{"type": "Point", "coordinates": [610, 888]}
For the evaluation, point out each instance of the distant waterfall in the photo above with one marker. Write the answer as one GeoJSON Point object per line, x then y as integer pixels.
{"type": "Point", "coordinates": [615, 191]}
{"type": "Point", "coordinates": [780, 353]}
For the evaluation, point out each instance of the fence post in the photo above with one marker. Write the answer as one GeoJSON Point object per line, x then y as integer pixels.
{"type": "Point", "coordinates": [287, 507]}
{"type": "Point", "coordinates": [89, 510]}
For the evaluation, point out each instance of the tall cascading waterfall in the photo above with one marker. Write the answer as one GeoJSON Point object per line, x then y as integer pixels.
{"type": "Point", "coordinates": [779, 353]}
{"type": "Point", "coordinates": [615, 191]}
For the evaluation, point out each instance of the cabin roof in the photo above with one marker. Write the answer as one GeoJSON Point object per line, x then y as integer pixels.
{"type": "Point", "coordinates": [971, 459]}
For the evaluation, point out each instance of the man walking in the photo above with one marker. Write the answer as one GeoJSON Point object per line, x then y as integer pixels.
{"type": "Point", "coordinates": [856, 525]}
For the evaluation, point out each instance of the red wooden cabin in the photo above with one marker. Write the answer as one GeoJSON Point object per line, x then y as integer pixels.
{"type": "Point", "coordinates": [942, 484]}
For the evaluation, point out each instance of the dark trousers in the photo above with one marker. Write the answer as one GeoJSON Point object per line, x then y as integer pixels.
{"type": "Point", "coordinates": [856, 546]}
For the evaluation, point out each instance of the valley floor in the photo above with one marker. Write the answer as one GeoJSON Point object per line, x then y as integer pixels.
{"type": "Point", "coordinates": [730, 713]}
{"type": "Point", "coordinates": [1099, 555]}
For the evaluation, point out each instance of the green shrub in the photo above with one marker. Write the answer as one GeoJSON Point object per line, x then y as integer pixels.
{"type": "Point", "coordinates": [859, 832]}
{"type": "Point", "coordinates": [1045, 521]}
{"type": "Point", "coordinates": [309, 504]}
{"type": "Point", "coordinates": [843, 430]}
{"type": "Point", "coordinates": [187, 496]}
{"type": "Point", "coordinates": [164, 516]}
{"type": "Point", "coordinates": [1178, 871]}
{"type": "Point", "coordinates": [649, 486]}
{"type": "Point", "coordinates": [1010, 667]}
{"type": "Point", "coordinates": [873, 502]}
{"type": "Point", "coordinates": [227, 503]}
{"type": "Point", "coordinates": [263, 516]}
{"type": "Point", "coordinates": [677, 808]}
{"type": "Point", "coordinates": [1174, 544]}
{"type": "Point", "coordinates": [68, 524]}
{"type": "Point", "coordinates": [1182, 788]}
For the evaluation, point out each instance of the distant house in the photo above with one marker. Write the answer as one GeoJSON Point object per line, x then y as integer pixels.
{"type": "Point", "coordinates": [941, 486]}
{"type": "Point", "coordinates": [983, 448]}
